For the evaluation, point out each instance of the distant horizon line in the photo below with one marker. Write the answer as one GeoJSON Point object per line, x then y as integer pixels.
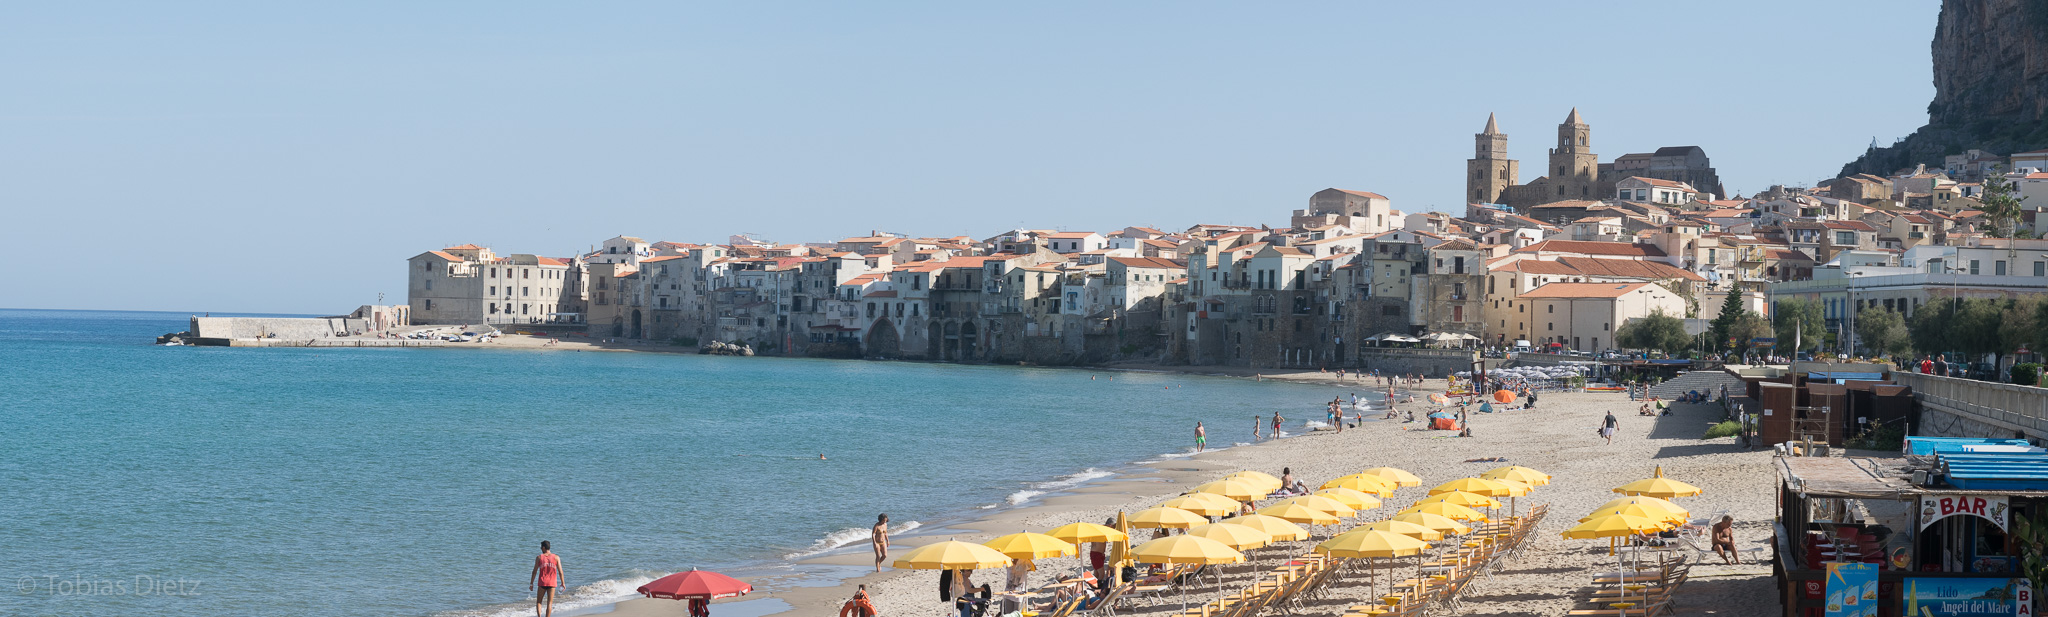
{"type": "Point", "coordinates": [235, 313]}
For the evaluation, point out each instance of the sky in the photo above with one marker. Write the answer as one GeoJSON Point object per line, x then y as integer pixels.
{"type": "Point", "coordinates": [288, 157]}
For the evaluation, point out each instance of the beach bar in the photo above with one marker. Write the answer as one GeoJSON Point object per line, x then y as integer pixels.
{"type": "Point", "coordinates": [1931, 532]}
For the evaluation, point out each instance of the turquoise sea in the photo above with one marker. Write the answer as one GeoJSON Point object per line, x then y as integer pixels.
{"type": "Point", "coordinates": [146, 480]}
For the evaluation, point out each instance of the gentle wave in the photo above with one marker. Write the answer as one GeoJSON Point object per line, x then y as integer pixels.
{"type": "Point", "coordinates": [1062, 483]}
{"type": "Point", "coordinates": [608, 591]}
{"type": "Point", "coordinates": [844, 537]}
{"type": "Point", "coordinates": [1018, 498]}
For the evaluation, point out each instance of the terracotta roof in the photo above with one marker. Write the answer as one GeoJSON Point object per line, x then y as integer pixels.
{"type": "Point", "coordinates": [887, 293]}
{"type": "Point", "coordinates": [1593, 248]}
{"type": "Point", "coordinates": [1583, 290]}
{"type": "Point", "coordinates": [1150, 262]}
{"type": "Point", "coordinates": [1363, 194]}
{"type": "Point", "coordinates": [1628, 268]}
{"type": "Point", "coordinates": [465, 247]}
{"type": "Point", "coordinates": [1663, 183]}
{"type": "Point", "coordinates": [1855, 225]}
{"type": "Point", "coordinates": [550, 261]}
{"type": "Point", "coordinates": [1071, 234]}
{"type": "Point", "coordinates": [662, 258]}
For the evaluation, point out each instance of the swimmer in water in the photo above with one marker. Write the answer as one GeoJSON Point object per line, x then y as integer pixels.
{"type": "Point", "coordinates": [821, 457]}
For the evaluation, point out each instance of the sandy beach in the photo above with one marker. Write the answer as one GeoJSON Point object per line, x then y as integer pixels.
{"type": "Point", "coordinates": [1559, 438]}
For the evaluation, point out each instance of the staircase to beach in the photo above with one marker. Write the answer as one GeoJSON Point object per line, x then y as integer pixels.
{"type": "Point", "coordinates": [1709, 382]}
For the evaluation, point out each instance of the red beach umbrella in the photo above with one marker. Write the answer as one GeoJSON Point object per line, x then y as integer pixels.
{"type": "Point", "coordinates": [695, 585]}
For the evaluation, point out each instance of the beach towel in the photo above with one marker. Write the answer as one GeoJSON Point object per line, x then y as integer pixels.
{"type": "Point", "coordinates": [1443, 424]}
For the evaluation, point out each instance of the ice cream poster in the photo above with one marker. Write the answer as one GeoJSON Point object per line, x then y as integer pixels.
{"type": "Point", "coordinates": [1852, 590]}
{"type": "Point", "coordinates": [1968, 597]}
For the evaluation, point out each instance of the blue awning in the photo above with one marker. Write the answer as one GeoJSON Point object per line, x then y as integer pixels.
{"type": "Point", "coordinates": [1833, 375]}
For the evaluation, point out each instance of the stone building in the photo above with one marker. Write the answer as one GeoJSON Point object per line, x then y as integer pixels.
{"type": "Point", "coordinates": [469, 284]}
{"type": "Point", "coordinates": [1490, 172]}
{"type": "Point", "coordinates": [1687, 164]}
{"type": "Point", "coordinates": [1573, 173]}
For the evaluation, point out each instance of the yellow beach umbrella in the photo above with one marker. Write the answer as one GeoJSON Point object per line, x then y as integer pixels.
{"type": "Point", "coordinates": [1297, 513]}
{"type": "Point", "coordinates": [1450, 511]}
{"type": "Point", "coordinates": [1478, 486]}
{"type": "Point", "coordinates": [1082, 533]}
{"type": "Point", "coordinates": [1233, 535]}
{"type": "Point", "coordinates": [1364, 543]}
{"type": "Point", "coordinates": [1666, 518]}
{"type": "Point", "coordinates": [1647, 501]}
{"type": "Point", "coordinates": [1258, 477]}
{"type": "Point", "coordinates": [1394, 475]}
{"type": "Point", "coordinates": [1186, 549]}
{"type": "Point", "coordinates": [952, 555]}
{"type": "Point", "coordinates": [1412, 530]}
{"type": "Point", "coordinates": [1356, 499]}
{"type": "Point", "coordinates": [1120, 550]}
{"type": "Point", "coordinates": [1235, 489]}
{"type": "Point", "coordinates": [1462, 498]}
{"type": "Point", "coordinates": [1168, 518]}
{"type": "Point", "coordinates": [1027, 545]}
{"type": "Point", "coordinates": [1434, 521]}
{"type": "Point", "coordinates": [1516, 488]}
{"type": "Point", "coordinates": [1517, 473]}
{"type": "Point", "coordinates": [1613, 526]}
{"type": "Point", "coordinates": [1205, 504]}
{"type": "Point", "coordinates": [1363, 483]}
{"type": "Point", "coordinates": [1319, 502]}
{"type": "Point", "coordinates": [1661, 488]}
{"type": "Point", "coordinates": [1279, 528]}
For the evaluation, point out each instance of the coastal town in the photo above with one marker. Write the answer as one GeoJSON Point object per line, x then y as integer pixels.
{"type": "Point", "coordinates": [1559, 263]}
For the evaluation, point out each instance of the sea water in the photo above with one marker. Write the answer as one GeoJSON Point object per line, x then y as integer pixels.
{"type": "Point", "coordinates": [147, 480]}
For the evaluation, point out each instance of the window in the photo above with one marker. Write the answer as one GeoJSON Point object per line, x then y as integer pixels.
{"type": "Point", "coordinates": [429, 305]}
{"type": "Point", "coordinates": [1552, 326]}
{"type": "Point", "coordinates": [1458, 313]}
{"type": "Point", "coordinates": [1552, 307]}
{"type": "Point", "coordinates": [2037, 272]}
{"type": "Point", "coordinates": [1973, 266]}
{"type": "Point", "coordinates": [1998, 267]}
{"type": "Point", "coordinates": [1845, 238]}
{"type": "Point", "coordinates": [524, 291]}
{"type": "Point", "coordinates": [493, 292]}
{"type": "Point", "coordinates": [2040, 269]}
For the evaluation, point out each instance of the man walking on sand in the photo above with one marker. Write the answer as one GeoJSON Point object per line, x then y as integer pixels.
{"type": "Point", "coordinates": [1201, 437]}
{"type": "Point", "coordinates": [880, 537]}
{"type": "Point", "coordinates": [1607, 427]}
{"type": "Point", "coordinates": [1256, 422]}
{"type": "Point", "coordinates": [547, 571]}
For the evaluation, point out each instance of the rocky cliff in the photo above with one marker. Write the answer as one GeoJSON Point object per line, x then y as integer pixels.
{"type": "Point", "coordinates": [1990, 86]}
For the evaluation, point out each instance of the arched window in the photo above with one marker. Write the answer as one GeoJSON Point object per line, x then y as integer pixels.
{"type": "Point", "coordinates": [1561, 170]}
{"type": "Point", "coordinates": [1503, 173]}
{"type": "Point", "coordinates": [1560, 189]}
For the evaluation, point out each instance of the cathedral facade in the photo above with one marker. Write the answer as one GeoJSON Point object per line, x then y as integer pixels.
{"type": "Point", "coordinates": [1574, 172]}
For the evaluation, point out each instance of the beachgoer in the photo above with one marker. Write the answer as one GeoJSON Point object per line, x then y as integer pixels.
{"type": "Point", "coordinates": [1257, 423]}
{"type": "Point", "coordinates": [1201, 438]}
{"type": "Point", "coordinates": [1286, 478]}
{"type": "Point", "coordinates": [1645, 411]}
{"type": "Point", "coordinates": [1724, 539]}
{"type": "Point", "coordinates": [547, 573]}
{"type": "Point", "coordinates": [879, 536]}
{"type": "Point", "coordinates": [1607, 427]}
{"type": "Point", "coordinates": [969, 604]}
{"type": "Point", "coordinates": [1020, 570]}
{"type": "Point", "coordinates": [1276, 424]}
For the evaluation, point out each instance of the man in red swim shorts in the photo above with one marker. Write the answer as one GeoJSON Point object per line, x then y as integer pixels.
{"type": "Point", "coordinates": [547, 570]}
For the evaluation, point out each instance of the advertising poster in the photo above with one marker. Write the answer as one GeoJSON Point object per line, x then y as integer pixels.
{"type": "Point", "coordinates": [1968, 597]}
{"type": "Point", "coordinates": [1852, 590]}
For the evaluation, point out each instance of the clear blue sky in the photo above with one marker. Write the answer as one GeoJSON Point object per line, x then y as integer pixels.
{"type": "Point", "coordinates": [263, 157]}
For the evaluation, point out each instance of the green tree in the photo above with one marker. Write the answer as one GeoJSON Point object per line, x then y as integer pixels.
{"type": "Point", "coordinates": [1731, 310]}
{"type": "Point", "coordinates": [1798, 321]}
{"type": "Point", "coordinates": [1749, 326]}
{"type": "Point", "coordinates": [1882, 330]}
{"type": "Point", "coordinates": [2001, 204]}
{"type": "Point", "coordinates": [2020, 324]}
{"type": "Point", "coordinates": [1658, 331]}
{"type": "Point", "coordinates": [1929, 328]}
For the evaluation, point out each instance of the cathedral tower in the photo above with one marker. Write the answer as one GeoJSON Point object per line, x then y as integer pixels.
{"type": "Point", "coordinates": [1490, 172]}
{"type": "Point", "coordinates": [1575, 169]}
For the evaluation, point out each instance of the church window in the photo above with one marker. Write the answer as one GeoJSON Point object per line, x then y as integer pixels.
{"type": "Point", "coordinates": [1503, 173]}
{"type": "Point", "coordinates": [1478, 174]}
{"type": "Point", "coordinates": [1582, 140]}
{"type": "Point", "coordinates": [1585, 191]}
{"type": "Point", "coordinates": [1560, 171]}
{"type": "Point", "coordinates": [1560, 189]}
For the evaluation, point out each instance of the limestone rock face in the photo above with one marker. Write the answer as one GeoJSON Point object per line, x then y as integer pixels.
{"type": "Point", "coordinates": [1990, 86]}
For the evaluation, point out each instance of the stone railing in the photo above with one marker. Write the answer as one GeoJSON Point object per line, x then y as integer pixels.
{"type": "Point", "coordinates": [2015, 407]}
